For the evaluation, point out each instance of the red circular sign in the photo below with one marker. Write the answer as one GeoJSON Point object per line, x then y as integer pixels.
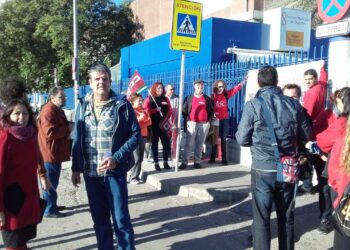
{"type": "Point", "coordinates": [332, 10]}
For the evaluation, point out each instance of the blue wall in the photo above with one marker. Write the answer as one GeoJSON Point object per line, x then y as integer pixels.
{"type": "Point", "coordinates": [154, 55]}
{"type": "Point", "coordinates": [244, 35]}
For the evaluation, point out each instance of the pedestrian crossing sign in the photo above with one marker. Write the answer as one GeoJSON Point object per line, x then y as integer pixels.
{"type": "Point", "coordinates": [186, 27]}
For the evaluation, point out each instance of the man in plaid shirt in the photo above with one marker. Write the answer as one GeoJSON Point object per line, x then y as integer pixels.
{"type": "Point", "coordinates": [105, 135]}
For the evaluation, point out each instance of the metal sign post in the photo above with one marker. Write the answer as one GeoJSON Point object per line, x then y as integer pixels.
{"type": "Point", "coordinates": [185, 36]}
{"type": "Point", "coordinates": [181, 97]}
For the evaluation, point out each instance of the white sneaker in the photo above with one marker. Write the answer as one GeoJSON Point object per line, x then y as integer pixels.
{"type": "Point", "coordinates": [134, 182]}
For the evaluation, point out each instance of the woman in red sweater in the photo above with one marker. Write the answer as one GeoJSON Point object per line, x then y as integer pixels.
{"type": "Point", "coordinates": [19, 194]}
{"type": "Point", "coordinates": [332, 131]}
{"type": "Point", "coordinates": [339, 179]}
{"type": "Point", "coordinates": [220, 97]}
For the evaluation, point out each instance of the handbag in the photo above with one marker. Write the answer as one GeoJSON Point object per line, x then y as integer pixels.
{"type": "Point", "coordinates": [287, 166]}
{"type": "Point", "coordinates": [14, 198]}
{"type": "Point", "coordinates": [341, 214]}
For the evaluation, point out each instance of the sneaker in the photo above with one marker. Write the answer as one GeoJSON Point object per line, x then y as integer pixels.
{"type": "Point", "coordinates": [197, 165]}
{"type": "Point", "coordinates": [325, 226]}
{"type": "Point", "coordinates": [134, 182]}
{"type": "Point", "coordinates": [183, 166]}
{"type": "Point", "coordinates": [157, 167]}
{"type": "Point", "coordinates": [166, 165]}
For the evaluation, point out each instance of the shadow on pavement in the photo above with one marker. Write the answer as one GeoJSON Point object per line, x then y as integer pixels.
{"type": "Point", "coordinates": [63, 238]}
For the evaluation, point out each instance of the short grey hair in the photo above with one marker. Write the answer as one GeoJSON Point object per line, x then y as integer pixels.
{"type": "Point", "coordinates": [54, 91]}
{"type": "Point", "coordinates": [100, 68]}
{"type": "Point", "coordinates": [168, 86]}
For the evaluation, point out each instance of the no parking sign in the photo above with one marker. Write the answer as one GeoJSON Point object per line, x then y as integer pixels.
{"type": "Point", "coordinates": [332, 10]}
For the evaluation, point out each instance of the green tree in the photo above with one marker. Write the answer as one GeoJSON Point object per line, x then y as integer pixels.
{"type": "Point", "coordinates": [37, 36]}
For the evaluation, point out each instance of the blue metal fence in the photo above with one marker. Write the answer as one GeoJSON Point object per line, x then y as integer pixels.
{"type": "Point", "coordinates": [232, 73]}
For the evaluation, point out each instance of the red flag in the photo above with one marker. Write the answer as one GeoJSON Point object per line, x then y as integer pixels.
{"type": "Point", "coordinates": [136, 85]}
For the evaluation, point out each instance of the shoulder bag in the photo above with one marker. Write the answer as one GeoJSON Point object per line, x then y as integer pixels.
{"type": "Point", "coordinates": [287, 166]}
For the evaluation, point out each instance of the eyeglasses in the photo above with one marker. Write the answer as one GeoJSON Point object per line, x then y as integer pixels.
{"type": "Point", "coordinates": [220, 87]}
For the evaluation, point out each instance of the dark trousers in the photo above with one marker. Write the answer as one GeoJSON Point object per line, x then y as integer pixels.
{"type": "Point", "coordinates": [265, 192]}
{"type": "Point", "coordinates": [108, 197]}
{"type": "Point", "coordinates": [324, 195]}
{"type": "Point", "coordinates": [138, 156]}
{"type": "Point", "coordinates": [53, 172]}
{"type": "Point", "coordinates": [157, 134]}
{"type": "Point", "coordinates": [223, 131]}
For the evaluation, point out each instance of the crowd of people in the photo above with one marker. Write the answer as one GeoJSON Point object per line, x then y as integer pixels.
{"type": "Point", "coordinates": [112, 135]}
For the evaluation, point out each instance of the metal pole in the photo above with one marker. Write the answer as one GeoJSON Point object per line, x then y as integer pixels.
{"type": "Point", "coordinates": [182, 78]}
{"type": "Point", "coordinates": [75, 66]}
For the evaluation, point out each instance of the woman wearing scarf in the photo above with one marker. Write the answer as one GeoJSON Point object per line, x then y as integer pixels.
{"type": "Point", "coordinates": [19, 195]}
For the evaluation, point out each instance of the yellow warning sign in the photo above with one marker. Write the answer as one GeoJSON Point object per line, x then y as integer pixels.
{"type": "Point", "coordinates": [186, 27]}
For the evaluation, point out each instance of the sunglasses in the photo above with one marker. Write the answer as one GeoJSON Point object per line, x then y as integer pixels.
{"type": "Point", "coordinates": [220, 87]}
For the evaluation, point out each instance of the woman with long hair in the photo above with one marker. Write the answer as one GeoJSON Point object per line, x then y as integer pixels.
{"type": "Point", "coordinates": [329, 125]}
{"type": "Point", "coordinates": [332, 131]}
{"type": "Point", "coordinates": [19, 195]}
{"type": "Point", "coordinates": [220, 97]}
{"type": "Point", "coordinates": [159, 107]}
{"type": "Point", "coordinates": [339, 179]}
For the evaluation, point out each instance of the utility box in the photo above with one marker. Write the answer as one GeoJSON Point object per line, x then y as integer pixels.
{"type": "Point", "coordinates": [290, 29]}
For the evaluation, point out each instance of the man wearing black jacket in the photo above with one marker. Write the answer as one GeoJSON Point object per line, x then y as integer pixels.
{"type": "Point", "coordinates": [290, 127]}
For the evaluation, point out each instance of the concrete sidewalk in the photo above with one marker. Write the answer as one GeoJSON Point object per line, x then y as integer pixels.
{"type": "Point", "coordinates": [213, 182]}
{"type": "Point", "coordinates": [165, 221]}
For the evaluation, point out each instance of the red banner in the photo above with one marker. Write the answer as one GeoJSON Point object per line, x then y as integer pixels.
{"type": "Point", "coordinates": [136, 84]}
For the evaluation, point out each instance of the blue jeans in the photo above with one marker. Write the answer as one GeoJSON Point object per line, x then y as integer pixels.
{"type": "Point", "coordinates": [53, 171]}
{"type": "Point", "coordinates": [109, 196]}
{"type": "Point", "coordinates": [265, 191]}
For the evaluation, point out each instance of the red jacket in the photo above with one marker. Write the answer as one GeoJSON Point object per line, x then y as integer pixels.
{"type": "Point", "coordinates": [53, 134]}
{"type": "Point", "coordinates": [314, 99]}
{"type": "Point", "coordinates": [220, 102]}
{"type": "Point", "coordinates": [336, 128]}
{"type": "Point", "coordinates": [18, 165]}
{"type": "Point", "coordinates": [144, 122]}
{"type": "Point", "coordinates": [336, 178]}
